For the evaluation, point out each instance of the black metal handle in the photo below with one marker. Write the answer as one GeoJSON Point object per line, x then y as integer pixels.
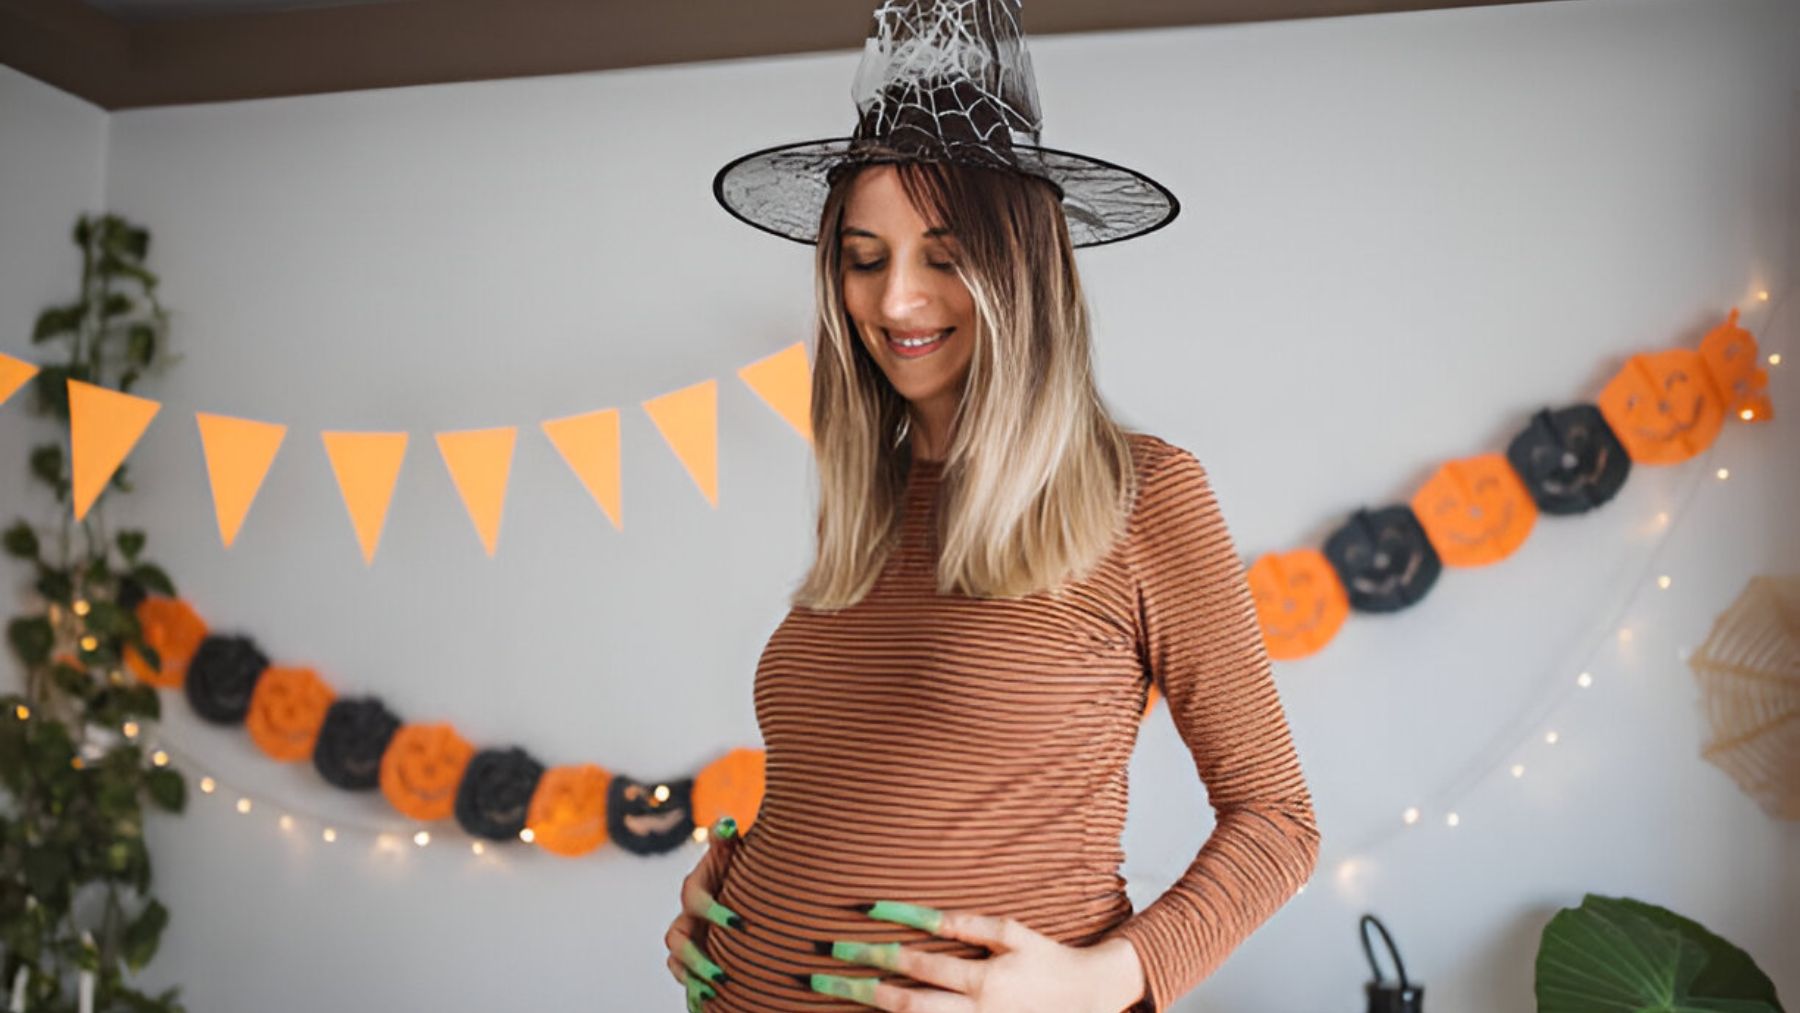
{"type": "Point", "coordinates": [1369, 951]}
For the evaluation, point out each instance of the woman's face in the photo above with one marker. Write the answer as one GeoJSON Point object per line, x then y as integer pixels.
{"type": "Point", "coordinates": [898, 283]}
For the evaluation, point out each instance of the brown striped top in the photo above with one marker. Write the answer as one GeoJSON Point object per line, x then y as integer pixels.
{"type": "Point", "coordinates": [971, 754]}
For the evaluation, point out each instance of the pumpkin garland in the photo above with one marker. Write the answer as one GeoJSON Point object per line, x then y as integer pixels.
{"type": "Point", "coordinates": [429, 772]}
{"type": "Point", "coordinates": [1660, 408]}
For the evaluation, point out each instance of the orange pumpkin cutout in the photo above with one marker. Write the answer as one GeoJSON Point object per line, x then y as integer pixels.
{"type": "Point", "coordinates": [731, 785]}
{"type": "Point", "coordinates": [421, 769]}
{"type": "Point", "coordinates": [1300, 602]}
{"type": "Point", "coordinates": [174, 631]}
{"type": "Point", "coordinates": [1475, 510]}
{"type": "Point", "coordinates": [1663, 407]}
{"type": "Point", "coordinates": [568, 810]}
{"type": "Point", "coordinates": [1730, 355]}
{"type": "Point", "coordinates": [287, 709]}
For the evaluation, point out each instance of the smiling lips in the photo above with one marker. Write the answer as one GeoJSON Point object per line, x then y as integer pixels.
{"type": "Point", "coordinates": [911, 344]}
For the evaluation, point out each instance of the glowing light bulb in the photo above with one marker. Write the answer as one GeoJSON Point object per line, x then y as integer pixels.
{"type": "Point", "coordinates": [1762, 295]}
{"type": "Point", "coordinates": [1774, 358]}
{"type": "Point", "coordinates": [1551, 738]}
{"type": "Point", "coordinates": [477, 848]}
{"type": "Point", "coordinates": [1584, 680]}
{"type": "Point", "coordinates": [207, 785]}
{"type": "Point", "coordinates": [1411, 815]}
{"type": "Point", "coordinates": [76, 763]}
{"type": "Point", "coordinates": [329, 834]}
{"type": "Point", "coordinates": [1452, 820]}
{"type": "Point", "coordinates": [661, 793]}
{"type": "Point", "coordinates": [422, 838]}
{"type": "Point", "coordinates": [89, 643]}
{"type": "Point", "coordinates": [22, 712]}
{"type": "Point", "coordinates": [699, 834]}
{"type": "Point", "coordinates": [81, 607]}
{"type": "Point", "coordinates": [130, 728]}
{"type": "Point", "coordinates": [1664, 581]}
{"type": "Point", "coordinates": [287, 822]}
{"type": "Point", "coordinates": [1723, 473]}
{"type": "Point", "coordinates": [160, 758]}
{"type": "Point", "coordinates": [1518, 770]}
{"type": "Point", "coordinates": [1748, 414]}
{"type": "Point", "coordinates": [243, 805]}
{"type": "Point", "coordinates": [527, 835]}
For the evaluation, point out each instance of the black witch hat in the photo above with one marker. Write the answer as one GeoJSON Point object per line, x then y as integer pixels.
{"type": "Point", "coordinates": [943, 80]}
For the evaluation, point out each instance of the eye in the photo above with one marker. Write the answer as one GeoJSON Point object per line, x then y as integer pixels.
{"type": "Point", "coordinates": [877, 264]}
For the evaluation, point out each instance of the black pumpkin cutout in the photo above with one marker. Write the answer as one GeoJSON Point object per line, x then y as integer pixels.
{"type": "Point", "coordinates": [1384, 559]}
{"type": "Point", "coordinates": [221, 676]}
{"type": "Point", "coordinates": [1569, 459]}
{"type": "Point", "coordinates": [355, 734]}
{"type": "Point", "coordinates": [494, 795]}
{"type": "Point", "coordinates": [641, 823]}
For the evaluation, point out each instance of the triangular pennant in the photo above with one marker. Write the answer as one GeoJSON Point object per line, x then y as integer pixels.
{"type": "Point", "coordinates": [104, 424]}
{"type": "Point", "coordinates": [785, 382]}
{"type": "Point", "coordinates": [689, 420]}
{"type": "Point", "coordinates": [238, 454]}
{"type": "Point", "coordinates": [589, 444]}
{"type": "Point", "coordinates": [479, 461]}
{"type": "Point", "coordinates": [13, 375]}
{"type": "Point", "coordinates": [367, 464]}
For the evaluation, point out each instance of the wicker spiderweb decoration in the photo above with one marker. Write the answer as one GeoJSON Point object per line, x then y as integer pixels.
{"type": "Point", "coordinates": [1749, 675]}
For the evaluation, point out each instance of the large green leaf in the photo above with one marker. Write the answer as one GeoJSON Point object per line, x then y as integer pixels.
{"type": "Point", "coordinates": [1615, 953]}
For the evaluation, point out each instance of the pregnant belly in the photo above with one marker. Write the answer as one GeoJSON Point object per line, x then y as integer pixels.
{"type": "Point", "coordinates": [795, 901]}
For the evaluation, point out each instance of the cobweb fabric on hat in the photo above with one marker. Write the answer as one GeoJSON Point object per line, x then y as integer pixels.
{"type": "Point", "coordinates": [943, 80]}
{"type": "Point", "coordinates": [915, 50]}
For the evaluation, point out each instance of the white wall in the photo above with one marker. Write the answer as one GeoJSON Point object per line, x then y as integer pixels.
{"type": "Point", "coordinates": [1401, 234]}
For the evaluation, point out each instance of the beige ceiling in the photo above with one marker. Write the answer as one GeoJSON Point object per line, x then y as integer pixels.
{"type": "Point", "coordinates": [122, 54]}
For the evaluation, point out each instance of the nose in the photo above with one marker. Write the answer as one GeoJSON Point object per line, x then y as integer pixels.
{"type": "Point", "coordinates": [906, 293]}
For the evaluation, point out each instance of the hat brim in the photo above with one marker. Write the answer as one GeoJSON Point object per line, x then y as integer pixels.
{"type": "Point", "coordinates": [781, 190]}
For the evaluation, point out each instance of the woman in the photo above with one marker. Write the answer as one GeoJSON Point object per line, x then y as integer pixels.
{"type": "Point", "coordinates": [1003, 573]}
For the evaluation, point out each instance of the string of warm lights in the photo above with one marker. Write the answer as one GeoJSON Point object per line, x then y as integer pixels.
{"type": "Point", "coordinates": [1507, 749]}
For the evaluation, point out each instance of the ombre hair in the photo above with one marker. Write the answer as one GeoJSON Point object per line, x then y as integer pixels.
{"type": "Point", "coordinates": [1038, 478]}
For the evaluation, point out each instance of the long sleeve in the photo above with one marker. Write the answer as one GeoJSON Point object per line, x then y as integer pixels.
{"type": "Point", "coordinates": [1206, 655]}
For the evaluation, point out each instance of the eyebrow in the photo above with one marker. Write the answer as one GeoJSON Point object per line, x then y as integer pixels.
{"type": "Point", "coordinates": [851, 230]}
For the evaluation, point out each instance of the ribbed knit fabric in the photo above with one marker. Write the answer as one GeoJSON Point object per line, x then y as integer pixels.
{"type": "Point", "coordinates": [971, 754]}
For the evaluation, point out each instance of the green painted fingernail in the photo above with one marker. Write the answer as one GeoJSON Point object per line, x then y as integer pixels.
{"type": "Point", "coordinates": [692, 957]}
{"type": "Point", "coordinates": [699, 991]}
{"type": "Point", "coordinates": [719, 914]}
{"type": "Point", "coordinates": [926, 918]}
{"type": "Point", "coordinates": [860, 989]}
{"type": "Point", "coordinates": [885, 955]}
{"type": "Point", "coordinates": [726, 827]}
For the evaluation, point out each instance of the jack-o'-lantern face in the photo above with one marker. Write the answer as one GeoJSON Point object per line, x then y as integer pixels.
{"type": "Point", "coordinates": [1300, 603]}
{"type": "Point", "coordinates": [1662, 406]}
{"type": "Point", "coordinates": [1383, 559]}
{"type": "Point", "coordinates": [287, 708]}
{"type": "Point", "coordinates": [649, 819]}
{"type": "Point", "coordinates": [1730, 354]}
{"type": "Point", "coordinates": [731, 785]}
{"type": "Point", "coordinates": [174, 631]}
{"type": "Point", "coordinates": [1475, 510]}
{"type": "Point", "coordinates": [421, 769]}
{"type": "Point", "coordinates": [1569, 459]}
{"type": "Point", "coordinates": [568, 811]}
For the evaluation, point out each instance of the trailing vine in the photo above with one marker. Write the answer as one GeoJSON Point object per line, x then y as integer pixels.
{"type": "Point", "coordinates": [76, 911]}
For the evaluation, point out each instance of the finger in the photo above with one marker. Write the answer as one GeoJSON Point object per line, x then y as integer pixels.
{"type": "Point", "coordinates": [699, 902]}
{"type": "Point", "coordinates": [992, 931]}
{"type": "Point", "coordinates": [954, 973]}
{"type": "Point", "coordinates": [697, 961]}
{"type": "Point", "coordinates": [697, 990]}
{"type": "Point", "coordinates": [882, 995]}
{"type": "Point", "coordinates": [679, 972]}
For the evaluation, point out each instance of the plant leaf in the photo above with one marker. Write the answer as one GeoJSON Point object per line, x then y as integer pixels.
{"type": "Point", "coordinates": [1618, 953]}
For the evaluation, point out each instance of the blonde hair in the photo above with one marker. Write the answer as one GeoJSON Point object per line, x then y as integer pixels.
{"type": "Point", "coordinates": [1038, 477]}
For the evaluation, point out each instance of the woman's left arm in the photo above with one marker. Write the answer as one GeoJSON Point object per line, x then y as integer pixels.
{"type": "Point", "coordinates": [1205, 651]}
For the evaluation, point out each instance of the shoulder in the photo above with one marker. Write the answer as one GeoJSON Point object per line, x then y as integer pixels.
{"type": "Point", "coordinates": [1161, 465]}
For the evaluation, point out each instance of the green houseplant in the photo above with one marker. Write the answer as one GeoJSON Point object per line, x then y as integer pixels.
{"type": "Point", "coordinates": [76, 913]}
{"type": "Point", "coordinates": [1616, 953]}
